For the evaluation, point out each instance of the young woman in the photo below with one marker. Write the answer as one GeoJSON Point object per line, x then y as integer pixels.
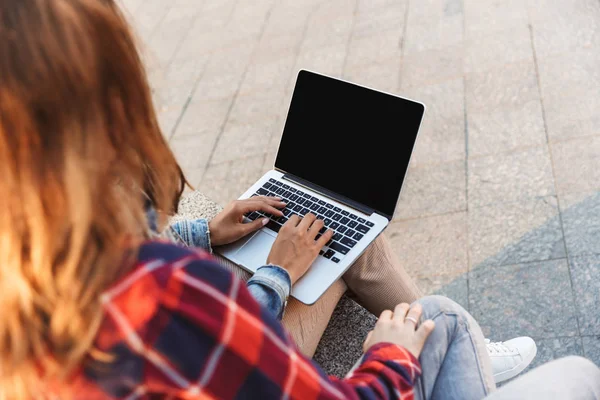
{"type": "Point", "coordinates": [94, 309]}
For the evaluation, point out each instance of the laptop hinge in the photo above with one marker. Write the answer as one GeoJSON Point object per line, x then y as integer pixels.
{"type": "Point", "coordinates": [344, 200]}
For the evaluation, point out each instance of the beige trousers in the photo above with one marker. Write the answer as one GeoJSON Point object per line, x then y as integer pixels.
{"type": "Point", "coordinates": [377, 280]}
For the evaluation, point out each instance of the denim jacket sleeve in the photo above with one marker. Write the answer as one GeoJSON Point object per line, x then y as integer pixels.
{"type": "Point", "coordinates": [193, 233]}
{"type": "Point", "coordinates": [270, 285]}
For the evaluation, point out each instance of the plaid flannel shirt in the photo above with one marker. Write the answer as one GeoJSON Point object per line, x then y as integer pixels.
{"type": "Point", "coordinates": [179, 326]}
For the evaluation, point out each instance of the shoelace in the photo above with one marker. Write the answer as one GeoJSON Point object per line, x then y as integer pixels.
{"type": "Point", "coordinates": [499, 348]}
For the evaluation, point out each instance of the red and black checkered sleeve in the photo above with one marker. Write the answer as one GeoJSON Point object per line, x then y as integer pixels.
{"type": "Point", "coordinates": [210, 338]}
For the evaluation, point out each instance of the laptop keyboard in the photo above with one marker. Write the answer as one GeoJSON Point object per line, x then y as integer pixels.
{"type": "Point", "coordinates": [349, 228]}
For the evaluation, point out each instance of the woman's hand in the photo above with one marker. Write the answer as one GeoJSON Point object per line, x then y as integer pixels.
{"type": "Point", "coordinates": [295, 248]}
{"type": "Point", "coordinates": [400, 328]}
{"type": "Point", "coordinates": [228, 226]}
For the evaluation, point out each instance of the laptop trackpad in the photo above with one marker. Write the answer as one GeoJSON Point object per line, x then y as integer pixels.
{"type": "Point", "coordinates": [254, 253]}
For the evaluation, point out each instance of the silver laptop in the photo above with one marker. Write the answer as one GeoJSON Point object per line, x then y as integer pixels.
{"type": "Point", "coordinates": [343, 156]}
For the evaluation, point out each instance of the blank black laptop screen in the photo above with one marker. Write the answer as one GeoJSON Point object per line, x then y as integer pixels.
{"type": "Point", "coordinates": [350, 140]}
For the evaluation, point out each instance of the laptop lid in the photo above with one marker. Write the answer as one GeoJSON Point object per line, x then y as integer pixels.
{"type": "Point", "coordinates": [353, 141]}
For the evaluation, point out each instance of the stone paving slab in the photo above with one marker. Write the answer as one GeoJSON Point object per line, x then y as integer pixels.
{"type": "Point", "coordinates": [534, 299]}
{"type": "Point", "coordinates": [581, 222]}
{"type": "Point", "coordinates": [591, 348]}
{"type": "Point", "coordinates": [514, 127]}
{"type": "Point", "coordinates": [413, 241]}
{"type": "Point", "coordinates": [433, 189]}
{"type": "Point", "coordinates": [516, 232]}
{"type": "Point", "coordinates": [585, 275]}
{"type": "Point", "coordinates": [503, 184]}
{"type": "Point", "coordinates": [510, 177]}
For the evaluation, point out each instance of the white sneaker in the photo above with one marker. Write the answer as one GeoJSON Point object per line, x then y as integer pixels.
{"type": "Point", "coordinates": [510, 358]}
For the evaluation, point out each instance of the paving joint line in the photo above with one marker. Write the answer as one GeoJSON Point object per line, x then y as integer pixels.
{"type": "Point", "coordinates": [298, 47]}
{"type": "Point", "coordinates": [196, 82]}
{"type": "Point", "coordinates": [562, 227]}
{"type": "Point", "coordinates": [402, 47]}
{"type": "Point", "coordinates": [350, 37]}
{"type": "Point", "coordinates": [466, 129]}
{"type": "Point", "coordinates": [237, 91]}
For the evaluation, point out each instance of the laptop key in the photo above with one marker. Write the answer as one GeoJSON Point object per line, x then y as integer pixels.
{"type": "Point", "coordinates": [342, 229]}
{"type": "Point", "coordinates": [253, 216]}
{"type": "Point", "coordinates": [337, 217]}
{"type": "Point", "coordinates": [321, 252]}
{"type": "Point", "coordinates": [286, 186]}
{"type": "Point", "coordinates": [337, 237]}
{"type": "Point", "coordinates": [337, 209]}
{"type": "Point", "coordinates": [287, 194]}
{"type": "Point", "coordinates": [346, 213]}
{"type": "Point", "coordinates": [338, 247]}
{"type": "Point", "coordinates": [300, 193]}
{"type": "Point", "coordinates": [301, 200]}
{"type": "Point", "coordinates": [329, 213]}
{"type": "Point", "coordinates": [314, 207]}
{"type": "Point", "coordinates": [272, 180]}
{"type": "Point", "coordinates": [361, 220]}
{"type": "Point", "coordinates": [287, 212]}
{"type": "Point", "coordinates": [280, 191]}
{"type": "Point", "coordinates": [327, 222]}
{"type": "Point", "coordinates": [274, 226]}
{"type": "Point", "coordinates": [294, 197]}
{"type": "Point", "coordinates": [352, 224]}
{"type": "Point", "coordinates": [362, 229]}
{"type": "Point", "coordinates": [358, 236]}
{"type": "Point", "coordinates": [278, 183]}
{"type": "Point", "coordinates": [320, 217]}
{"type": "Point", "coordinates": [344, 220]}
{"type": "Point", "coordinates": [321, 202]}
{"type": "Point", "coordinates": [323, 230]}
{"type": "Point", "coordinates": [313, 198]}
{"type": "Point", "coordinates": [293, 190]}
{"type": "Point", "coordinates": [306, 195]}
{"type": "Point", "coordinates": [298, 208]}
{"type": "Point", "coordinates": [322, 210]}
{"type": "Point", "coordinates": [349, 233]}
{"type": "Point", "coordinates": [335, 259]}
{"type": "Point", "coordinates": [334, 225]}
{"type": "Point", "coordinates": [347, 242]}
{"type": "Point", "coordinates": [308, 203]}
{"type": "Point", "coordinates": [370, 224]}
{"type": "Point", "coordinates": [291, 204]}
{"type": "Point", "coordinates": [304, 211]}
{"type": "Point", "coordinates": [262, 192]}
{"type": "Point", "coordinates": [329, 254]}
{"type": "Point", "coordinates": [267, 185]}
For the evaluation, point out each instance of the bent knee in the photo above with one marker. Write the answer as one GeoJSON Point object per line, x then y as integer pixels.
{"type": "Point", "coordinates": [434, 305]}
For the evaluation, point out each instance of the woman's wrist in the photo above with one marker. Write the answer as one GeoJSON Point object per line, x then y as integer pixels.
{"type": "Point", "coordinates": [293, 278]}
{"type": "Point", "coordinates": [213, 233]}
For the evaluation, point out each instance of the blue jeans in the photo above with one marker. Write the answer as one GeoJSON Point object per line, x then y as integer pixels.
{"type": "Point", "coordinates": [454, 361]}
{"type": "Point", "coordinates": [456, 364]}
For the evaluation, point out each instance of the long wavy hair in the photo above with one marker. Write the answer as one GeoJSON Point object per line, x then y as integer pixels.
{"type": "Point", "coordinates": [81, 153]}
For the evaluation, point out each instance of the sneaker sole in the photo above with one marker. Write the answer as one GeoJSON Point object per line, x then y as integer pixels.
{"type": "Point", "coordinates": [511, 373]}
